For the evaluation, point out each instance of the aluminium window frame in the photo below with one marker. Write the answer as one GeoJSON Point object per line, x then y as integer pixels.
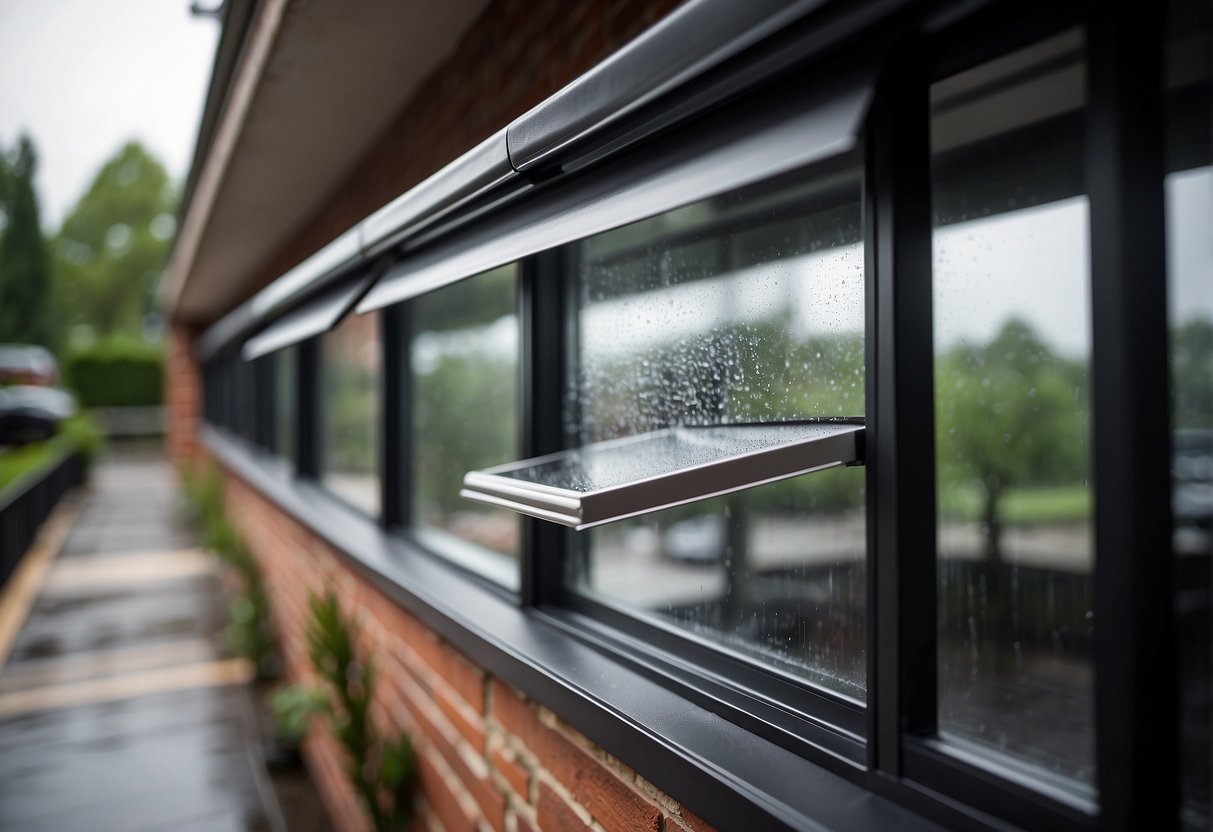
{"type": "Point", "coordinates": [537, 643]}
{"type": "Point", "coordinates": [398, 458]}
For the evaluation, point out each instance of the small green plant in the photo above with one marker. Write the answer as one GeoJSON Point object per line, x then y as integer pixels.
{"type": "Point", "coordinates": [248, 632]}
{"type": "Point", "coordinates": [380, 770]}
{"type": "Point", "coordinates": [292, 708]}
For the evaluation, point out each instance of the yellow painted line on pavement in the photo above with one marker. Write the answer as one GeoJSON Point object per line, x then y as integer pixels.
{"type": "Point", "coordinates": [127, 569]}
{"type": "Point", "coordinates": [127, 686]}
{"type": "Point", "coordinates": [23, 585]}
{"type": "Point", "coordinates": [73, 667]}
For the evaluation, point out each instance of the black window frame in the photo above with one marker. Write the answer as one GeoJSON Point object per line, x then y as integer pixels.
{"type": "Point", "coordinates": [887, 748]}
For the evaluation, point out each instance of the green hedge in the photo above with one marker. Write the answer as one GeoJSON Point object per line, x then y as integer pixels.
{"type": "Point", "coordinates": [117, 374]}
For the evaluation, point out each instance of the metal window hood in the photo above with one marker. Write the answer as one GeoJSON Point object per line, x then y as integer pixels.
{"type": "Point", "coordinates": [315, 317]}
{"type": "Point", "coordinates": [620, 478]}
{"type": "Point", "coordinates": [784, 130]}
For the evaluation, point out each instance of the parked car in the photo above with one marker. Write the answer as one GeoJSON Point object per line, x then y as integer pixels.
{"type": "Point", "coordinates": [32, 414]}
{"type": "Point", "coordinates": [27, 365]}
{"type": "Point", "coordinates": [699, 539]}
{"type": "Point", "coordinates": [1192, 495]}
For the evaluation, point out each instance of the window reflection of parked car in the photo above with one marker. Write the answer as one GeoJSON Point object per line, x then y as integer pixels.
{"type": "Point", "coordinates": [32, 414]}
{"type": "Point", "coordinates": [29, 365]}
{"type": "Point", "coordinates": [699, 539]}
{"type": "Point", "coordinates": [1192, 497]}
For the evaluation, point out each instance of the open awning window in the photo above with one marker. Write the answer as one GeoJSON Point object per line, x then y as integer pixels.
{"type": "Point", "coordinates": [780, 133]}
{"type": "Point", "coordinates": [607, 481]}
{"type": "Point", "coordinates": [313, 317]}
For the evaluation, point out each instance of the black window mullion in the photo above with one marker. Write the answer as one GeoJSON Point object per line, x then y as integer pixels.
{"type": "Point", "coordinates": [264, 370]}
{"type": "Point", "coordinates": [900, 453]}
{"type": "Point", "coordinates": [1135, 694]}
{"type": "Point", "coordinates": [542, 287]}
{"type": "Point", "coordinates": [396, 428]}
{"type": "Point", "coordinates": [307, 425]}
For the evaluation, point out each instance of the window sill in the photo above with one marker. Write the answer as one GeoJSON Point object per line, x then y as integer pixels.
{"type": "Point", "coordinates": [724, 773]}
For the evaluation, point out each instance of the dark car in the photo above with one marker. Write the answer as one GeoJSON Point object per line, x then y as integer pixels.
{"type": "Point", "coordinates": [32, 414]}
{"type": "Point", "coordinates": [1192, 494]}
{"type": "Point", "coordinates": [26, 364]}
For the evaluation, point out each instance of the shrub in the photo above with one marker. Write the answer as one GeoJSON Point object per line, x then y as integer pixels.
{"type": "Point", "coordinates": [249, 632]}
{"type": "Point", "coordinates": [117, 373]}
{"type": "Point", "coordinates": [381, 769]}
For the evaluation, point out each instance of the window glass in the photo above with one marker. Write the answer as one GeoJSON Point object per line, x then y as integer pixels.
{"type": "Point", "coordinates": [1188, 190]}
{"type": "Point", "coordinates": [464, 362]}
{"type": "Point", "coordinates": [742, 309]}
{"type": "Point", "coordinates": [286, 363]}
{"type": "Point", "coordinates": [350, 409]}
{"type": "Point", "coordinates": [1012, 338]}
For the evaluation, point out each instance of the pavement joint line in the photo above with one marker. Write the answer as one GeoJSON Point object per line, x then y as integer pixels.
{"type": "Point", "coordinates": [94, 664]}
{"type": "Point", "coordinates": [127, 686]}
{"type": "Point", "coordinates": [23, 586]}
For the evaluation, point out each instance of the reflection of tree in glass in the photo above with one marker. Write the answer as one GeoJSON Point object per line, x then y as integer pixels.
{"type": "Point", "coordinates": [464, 411]}
{"type": "Point", "coordinates": [465, 398]}
{"type": "Point", "coordinates": [745, 372]}
{"type": "Point", "coordinates": [1192, 373]}
{"type": "Point", "coordinates": [1010, 413]}
{"type": "Point", "coordinates": [350, 395]}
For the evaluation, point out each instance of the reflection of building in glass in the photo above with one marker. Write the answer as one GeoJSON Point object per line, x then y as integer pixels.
{"type": "Point", "coordinates": [754, 221]}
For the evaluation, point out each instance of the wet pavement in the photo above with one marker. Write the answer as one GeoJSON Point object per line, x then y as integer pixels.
{"type": "Point", "coordinates": [120, 708]}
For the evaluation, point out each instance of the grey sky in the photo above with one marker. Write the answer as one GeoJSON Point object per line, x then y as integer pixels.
{"type": "Point", "coordinates": [84, 76]}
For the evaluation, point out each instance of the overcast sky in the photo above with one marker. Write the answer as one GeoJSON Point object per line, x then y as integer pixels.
{"type": "Point", "coordinates": [84, 76]}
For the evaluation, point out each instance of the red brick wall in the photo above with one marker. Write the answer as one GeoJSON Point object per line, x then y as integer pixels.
{"type": "Point", "coordinates": [488, 757]}
{"type": "Point", "coordinates": [182, 395]}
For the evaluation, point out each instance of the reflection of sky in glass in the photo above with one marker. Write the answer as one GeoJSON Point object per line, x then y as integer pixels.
{"type": "Point", "coordinates": [1027, 261]}
{"type": "Point", "coordinates": [1189, 198]}
{"type": "Point", "coordinates": [491, 340]}
{"type": "Point", "coordinates": [1020, 265]}
{"type": "Point", "coordinates": [821, 294]}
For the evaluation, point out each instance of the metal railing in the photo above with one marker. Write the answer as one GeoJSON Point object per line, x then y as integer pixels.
{"type": "Point", "coordinates": [24, 507]}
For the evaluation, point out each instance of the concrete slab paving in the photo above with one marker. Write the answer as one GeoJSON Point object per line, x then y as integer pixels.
{"type": "Point", "coordinates": [120, 707]}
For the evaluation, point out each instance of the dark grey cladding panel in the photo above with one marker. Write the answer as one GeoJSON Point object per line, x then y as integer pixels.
{"type": "Point", "coordinates": [693, 39]}
{"type": "Point", "coordinates": [780, 131]}
{"type": "Point", "coordinates": [230, 328]}
{"type": "Point", "coordinates": [313, 318]}
{"type": "Point", "coordinates": [480, 169]}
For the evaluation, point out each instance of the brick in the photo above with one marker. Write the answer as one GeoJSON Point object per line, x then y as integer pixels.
{"type": "Point", "coordinates": [555, 813]}
{"type": "Point", "coordinates": [467, 722]}
{"type": "Point", "coordinates": [613, 803]}
{"type": "Point", "coordinates": [693, 822]}
{"type": "Point", "coordinates": [515, 715]}
{"type": "Point", "coordinates": [523, 824]}
{"type": "Point", "coordinates": [462, 759]}
{"type": "Point", "coordinates": [474, 773]}
{"type": "Point", "coordinates": [456, 815]}
{"type": "Point", "coordinates": [507, 764]}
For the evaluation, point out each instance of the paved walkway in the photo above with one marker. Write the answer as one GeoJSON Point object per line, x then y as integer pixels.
{"type": "Point", "coordinates": [119, 707]}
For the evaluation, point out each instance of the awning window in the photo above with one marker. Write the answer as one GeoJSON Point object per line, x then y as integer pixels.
{"type": "Point", "coordinates": [607, 481]}
{"type": "Point", "coordinates": [313, 317]}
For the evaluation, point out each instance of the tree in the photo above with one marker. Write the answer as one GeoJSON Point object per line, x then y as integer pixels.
{"type": "Point", "coordinates": [113, 244]}
{"type": "Point", "coordinates": [1009, 413]}
{"type": "Point", "coordinates": [1192, 373]}
{"type": "Point", "coordinates": [25, 271]}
